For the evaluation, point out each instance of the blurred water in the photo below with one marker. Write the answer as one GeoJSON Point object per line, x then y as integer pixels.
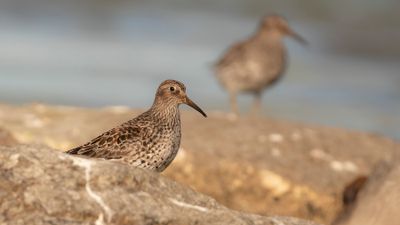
{"type": "Point", "coordinates": [43, 62]}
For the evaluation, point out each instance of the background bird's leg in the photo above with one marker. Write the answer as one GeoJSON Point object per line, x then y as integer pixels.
{"type": "Point", "coordinates": [234, 106]}
{"type": "Point", "coordinates": [256, 110]}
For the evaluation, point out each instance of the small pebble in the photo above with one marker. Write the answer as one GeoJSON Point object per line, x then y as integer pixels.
{"type": "Point", "coordinates": [275, 152]}
{"type": "Point", "coordinates": [296, 136]}
{"type": "Point", "coordinates": [337, 166]}
{"type": "Point", "coordinates": [275, 138]}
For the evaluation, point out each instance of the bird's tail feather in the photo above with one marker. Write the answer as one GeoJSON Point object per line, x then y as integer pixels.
{"type": "Point", "coordinates": [73, 151]}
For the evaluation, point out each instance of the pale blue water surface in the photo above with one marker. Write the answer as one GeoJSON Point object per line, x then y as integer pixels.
{"type": "Point", "coordinates": [62, 60]}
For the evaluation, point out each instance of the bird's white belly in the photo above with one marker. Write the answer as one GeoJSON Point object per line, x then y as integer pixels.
{"type": "Point", "coordinates": [252, 74]}
{"type": "Point", "coordinates": [256, 76]}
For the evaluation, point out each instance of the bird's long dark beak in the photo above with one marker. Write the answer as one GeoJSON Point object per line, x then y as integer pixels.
{"type": "Point", "coordinates": [297, 37]}
{"type": "Point", "coordinates": [194, 106]}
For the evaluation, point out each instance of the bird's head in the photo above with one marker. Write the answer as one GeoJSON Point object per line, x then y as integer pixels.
{"type": "Point", "coordinates": [172, 92]}
{"type": "Point", "coordinates": [279, 25]}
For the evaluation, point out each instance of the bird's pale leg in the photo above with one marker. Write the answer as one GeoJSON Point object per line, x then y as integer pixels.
{"type": "Point", "coordinates": [256, 111]}
{"type": "Point", "coordinates": [234, 106]}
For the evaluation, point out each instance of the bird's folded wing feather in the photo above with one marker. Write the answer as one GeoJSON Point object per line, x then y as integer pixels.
{"type": "Point", "coordinates": [232, 54]}
{"type": "Point", "coordinates": [115, 143]}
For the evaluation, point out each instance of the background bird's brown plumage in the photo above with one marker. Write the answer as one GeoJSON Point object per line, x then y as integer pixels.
{"type": "Point", "coordinates": [256, 63]}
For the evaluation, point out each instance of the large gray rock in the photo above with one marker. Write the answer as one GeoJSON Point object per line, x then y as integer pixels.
{"type": "Point", "coordinates": [41, 186]}
{"type": "Point", "coordinates": [258, 165]}
{"type": "Point", "coordinates": [378, 202]}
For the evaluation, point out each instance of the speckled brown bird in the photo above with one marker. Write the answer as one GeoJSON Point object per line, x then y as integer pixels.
{"type": "Point", "coordinates": [150, 140]}
{"type": "Point", "coordinates": [256, 63]}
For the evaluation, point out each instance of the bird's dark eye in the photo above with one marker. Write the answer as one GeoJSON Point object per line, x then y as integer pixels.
{"type": "Point", "coordinates": [172, 89]}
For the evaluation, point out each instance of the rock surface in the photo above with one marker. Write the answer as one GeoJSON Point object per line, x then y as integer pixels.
{"type": "Point", "coordinates": [263, 165]}
{"type": "Point", "coordinates": [41, 186]}
{"type": "Point", "coordinates": [378, 202]}
{"type": "Point", "coordinates": [6, 138]}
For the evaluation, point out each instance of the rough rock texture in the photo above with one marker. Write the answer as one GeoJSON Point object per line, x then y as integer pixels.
{"type": "Point", "coordinates": [6, 138]}
{"type": "Point", "coordinates": [263, 165]}
{"type": "Point", "coordinates": [378, 203]}
{"type": "Point", "coordinates": [41, 186]}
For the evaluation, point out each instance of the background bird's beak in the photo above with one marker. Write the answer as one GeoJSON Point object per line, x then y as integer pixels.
{"type": "Point", "coordinates": [194, 106]}
{"type": "Point", "coordinates": [297, 37]}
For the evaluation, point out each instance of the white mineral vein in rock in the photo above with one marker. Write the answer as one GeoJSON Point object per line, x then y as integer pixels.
{"type": "Point", "coordinates": [87, 164]}
{"type": "Point", "coordinates": [186, 205]}
{"type": "Point", "coordinates": [100, 220]}
{"type": "Point", "coordinates": [277, 222]}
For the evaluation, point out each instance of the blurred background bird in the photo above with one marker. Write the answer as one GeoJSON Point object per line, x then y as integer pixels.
{"type": "Point", "coordinates": [256, 63]}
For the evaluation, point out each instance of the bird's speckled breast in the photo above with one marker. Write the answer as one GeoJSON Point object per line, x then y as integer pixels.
{"type": "Point", "coordinates": [172, 141]}
{"type": "Point", "coordinates": [158, 146]}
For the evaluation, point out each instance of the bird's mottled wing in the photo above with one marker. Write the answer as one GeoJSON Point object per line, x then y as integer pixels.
{"type": "Point", "coordinates": [115, 143]}
{"type": "Point", "coordinates": [232, 54]}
